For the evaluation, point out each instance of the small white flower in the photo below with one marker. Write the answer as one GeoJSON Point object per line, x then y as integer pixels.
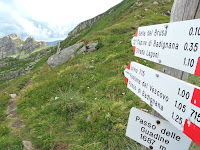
{"type": "Point", "coordinates": [88, 87]}
{"type": "Point", "coordinates": [92, 60]}
{"type": "Point", "coordinates": [71, 98]}
{"type": "Point", "coordinates": [95, 98]}
{"type": "Point", "coordinates": [56, 98]}
{"type": "Point", "coordinates": [123, 93]}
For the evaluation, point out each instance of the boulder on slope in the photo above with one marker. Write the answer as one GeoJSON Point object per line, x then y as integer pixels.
{"type": "Point", "coordinates": [69, 53]}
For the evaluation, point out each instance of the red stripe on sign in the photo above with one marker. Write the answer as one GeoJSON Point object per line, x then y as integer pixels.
{"type": "Point", "coordinates": [192, 131]}
{"type": "Point", "coordinates": [197, 71]}
{"type": "Point", "coordinates": [126, 80]}
{"type": "Point", "coordinates": [136, 33]}
{"type": "Point", "coordinates": [196, 97]}
{"type": "Point", "coordinates": [134, 47]}
{"type": "Point", "coordinates": [129, 66]}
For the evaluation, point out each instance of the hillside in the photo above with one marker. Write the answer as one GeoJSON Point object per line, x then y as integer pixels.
{"type": "Point", "coordinates": [84, 103]}
{"type": "Point", "coordinates": [14, 67]}
{"type": "Point", "coordinates": [17, 57]}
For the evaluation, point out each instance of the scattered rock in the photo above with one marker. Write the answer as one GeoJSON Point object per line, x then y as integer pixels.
{"type": "Point", "coordinates": [91, 47]}
{"type": "Point", "coordinates": [90, 67]}
{"type": "Point", "coordinates": [13, 95]}
{"type": "Point", "coordinates": [18, 124]}
{"type": "Point", "coordinates": [88, 118]}
{"type": "Point", "coordinates": [12, 105]}
{"type": "Point", "coordinates": [27, 145]}
{"type": "Point", "coordinates": [12, 114]}
{"type": "Point", "coordinates": [138, 3]}
{"type": "Point", "coordinates": [88, 48]}
{"type": "Point", "coordinates": [155, 3]}
{"type": "Point", "coordinates": [168, 12]}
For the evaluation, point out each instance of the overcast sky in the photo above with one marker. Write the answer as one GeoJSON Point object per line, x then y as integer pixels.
{"type": "Point", "coordinates": [47, 20]}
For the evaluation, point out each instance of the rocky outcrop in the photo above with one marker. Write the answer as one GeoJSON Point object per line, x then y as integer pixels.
{"type": "Point", "coordinates": [63, 56]}
{"type": "Point", "coordinates": [12, 44]}
{"type": "Point", "coordinates": [85, 24]}
{"type": "Point", "coordinates": [89, 22]}
{"type": "Point", "coordinates": [9, 45]}
{"type": "Point", "coordinates": [87, 48]}
{"type": "Point", "coordinates": [12, 67]}
{"type": "Point", "coordinates": [28, 43]}
{"type": "Point", "coordinates": [69, 53]}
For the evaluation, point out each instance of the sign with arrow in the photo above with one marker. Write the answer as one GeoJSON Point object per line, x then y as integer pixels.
{"type": "Point", "coordinates": [176, 45]}
{"type": "Point", "coordinates": [154, 132]}
{"type": "Point", "coordinates": [176, 100]}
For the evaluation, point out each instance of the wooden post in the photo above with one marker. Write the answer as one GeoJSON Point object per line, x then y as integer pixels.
{"type": "Point", "coordinates": [58, 50]}
{"type": "Point", "coordinates": [181, 10]}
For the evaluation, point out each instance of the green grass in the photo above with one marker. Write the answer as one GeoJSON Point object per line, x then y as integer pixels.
{"type": "Point", "coordinates": [14, 55]}
{"type": "Point", "coordinates": [7, 140]}
{"type": "Point", "coordinates": [36, 50]}
{"type": "Point", "coordinates": [94, 103]}
{"type": "Point", "coordinates": [39, 49]}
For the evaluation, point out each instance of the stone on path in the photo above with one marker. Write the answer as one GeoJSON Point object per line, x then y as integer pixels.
{"type": "Point", "coordinates": [13, 95]}
{"type": "Point", "coordinates": [18, 124]}
{"type": "Point", "coordinates": [27, 145]}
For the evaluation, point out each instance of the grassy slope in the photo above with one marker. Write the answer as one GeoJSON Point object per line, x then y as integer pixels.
{"type": "Point", "coordinates": [92, 111]}
{"type": "Point", "coordinates": [7, 140]}
{"type": "Point", "coordinates": [94, 102]}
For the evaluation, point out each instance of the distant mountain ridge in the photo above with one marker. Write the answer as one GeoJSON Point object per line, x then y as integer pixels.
{"type": "Point", "coordinates": [13, 45]}
{"type": "Point", "coordinates": [53, 43]}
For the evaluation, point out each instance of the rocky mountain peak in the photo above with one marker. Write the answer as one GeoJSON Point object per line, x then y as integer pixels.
{"type": "Point", "coordinates": [30, 40]}
{"type": "Point", "coordinates": [13, 45]}
{"type": "Point", "coordinates": [13, 36]}
{"type": "Point", "coordinates": [28, 43]}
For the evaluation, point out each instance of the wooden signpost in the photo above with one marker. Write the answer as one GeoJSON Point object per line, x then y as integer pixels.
{"type": "Point", "coordinates": [182, 10]}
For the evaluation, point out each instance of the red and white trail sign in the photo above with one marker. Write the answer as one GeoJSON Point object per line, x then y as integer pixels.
{"type": "Point", "coordinates": [176, 100]}
{"type": "Point", "coordinates": [176, 45]}
{"type": "Point", "coordinates": [154, 132]}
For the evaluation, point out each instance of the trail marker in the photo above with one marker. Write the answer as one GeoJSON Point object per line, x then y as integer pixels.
{"type": "Point", "coordinates": [176, 100]}
{"type": "Point", "coordinates": [154, 132]}
{"type": "Point", "coordinates": [176, 45]}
